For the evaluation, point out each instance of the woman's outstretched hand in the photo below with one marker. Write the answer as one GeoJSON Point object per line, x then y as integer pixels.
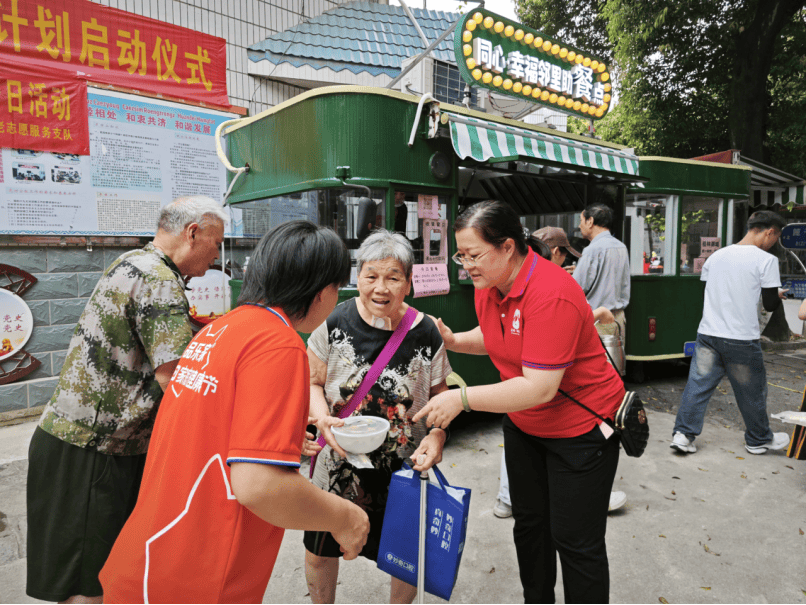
{"type": "Point", "coordinates": [447, 334]}
{"type": "Point", "coordinates": [441, 409]}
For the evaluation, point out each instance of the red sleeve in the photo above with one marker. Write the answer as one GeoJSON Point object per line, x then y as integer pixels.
{"type": "Point", "coordinates": [551, 329]}
{"type": "Point", "coordinates": [272, 398]}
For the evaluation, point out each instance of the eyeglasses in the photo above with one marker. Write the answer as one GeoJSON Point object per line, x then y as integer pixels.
{"type": "Point", "coordinates": [470, 261]}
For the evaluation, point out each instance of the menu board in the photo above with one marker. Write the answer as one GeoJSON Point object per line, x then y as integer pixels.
{"type": "Point", "coordinates": [143, 154]}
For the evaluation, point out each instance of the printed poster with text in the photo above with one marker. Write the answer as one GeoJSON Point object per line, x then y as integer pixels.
{"type": "Point", "coordinates": [435, 239]}
{"type": "Point", "coordinates": [143, 154]}
{"type": "Point", "coordinates": [430, 280]}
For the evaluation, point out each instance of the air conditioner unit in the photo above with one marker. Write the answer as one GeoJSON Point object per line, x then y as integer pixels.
{"type": "Point", "coordinates": [420, 79]}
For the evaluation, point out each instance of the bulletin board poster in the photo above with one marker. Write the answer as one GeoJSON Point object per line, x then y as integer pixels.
{"type": "Point", "coordinates": [435, 241]}
{"type": "Point", "coordinates": [143, 154]}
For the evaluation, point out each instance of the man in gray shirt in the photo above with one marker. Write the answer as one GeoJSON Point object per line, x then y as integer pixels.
{"type": "Point", "coordinates": [603, 271]}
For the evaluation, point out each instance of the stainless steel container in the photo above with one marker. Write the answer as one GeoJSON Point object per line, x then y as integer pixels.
{"type": "Point", "coordinates": [613, 345]}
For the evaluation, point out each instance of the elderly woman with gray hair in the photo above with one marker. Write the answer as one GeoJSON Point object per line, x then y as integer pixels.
{"type": "Point", "coordinates": [340, 352]}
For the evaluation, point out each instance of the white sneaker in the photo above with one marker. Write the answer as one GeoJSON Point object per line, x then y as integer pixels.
{"type": "Point", "coordinates": [682, 444]}
{"type": "Point", "coordinates": [502, 510]}
{"type": "Point", "coordinates": [779, 442]}
{"type": "Point", "coordinates": [617, 500]}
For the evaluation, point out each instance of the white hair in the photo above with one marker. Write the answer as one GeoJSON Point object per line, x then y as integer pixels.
{"type": "Point", "coordinates": [189, 209]}
{"type": "Point", "coordinates": [382, 244]}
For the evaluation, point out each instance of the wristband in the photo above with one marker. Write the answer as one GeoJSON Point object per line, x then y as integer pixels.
{"type": "Point", "coordinates": [465, 404]}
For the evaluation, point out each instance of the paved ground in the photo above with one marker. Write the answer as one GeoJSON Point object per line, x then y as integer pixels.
{"type": "Point", "coordinates": [786, 375]}
{"type": "Point", "coordinates": [719, 526]}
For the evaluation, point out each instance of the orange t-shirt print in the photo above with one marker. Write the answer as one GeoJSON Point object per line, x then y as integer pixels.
{"type": "Point", "coordinates": [240, 393]}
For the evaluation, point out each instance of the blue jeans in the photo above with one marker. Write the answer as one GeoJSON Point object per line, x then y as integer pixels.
{"type": "Point", "coordinates": [743, 362]}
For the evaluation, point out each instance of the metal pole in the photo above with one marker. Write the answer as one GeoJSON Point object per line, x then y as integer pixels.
{"type": "Point", "coordinates": [424, 54]}
{"type": "Point", "coordinates": [795, 256]}
{"type": "Point", "coordinates": [423, 525]}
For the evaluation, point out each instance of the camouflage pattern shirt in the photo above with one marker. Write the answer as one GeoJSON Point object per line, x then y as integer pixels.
{"type": "Point", "coordinates": [136, 320]}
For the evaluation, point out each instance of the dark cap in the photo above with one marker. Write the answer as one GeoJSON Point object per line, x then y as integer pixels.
{"type": "Point", "coordinates": [556, 238]}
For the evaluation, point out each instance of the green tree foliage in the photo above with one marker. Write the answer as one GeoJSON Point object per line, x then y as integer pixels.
{"type": "Point", "coordinates": [694, 76]}
{"type": "Point", "coordinates": [786, 131]}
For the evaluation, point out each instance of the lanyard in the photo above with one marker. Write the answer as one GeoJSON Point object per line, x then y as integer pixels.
{"type": "Point", "coordinates": [267, 309]}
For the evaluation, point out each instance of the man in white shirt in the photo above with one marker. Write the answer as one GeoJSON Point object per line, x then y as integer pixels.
{"type": "Point", "coordinates": [728, 337]}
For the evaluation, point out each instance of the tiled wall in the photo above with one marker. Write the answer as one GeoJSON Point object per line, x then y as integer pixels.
{"type": "Point", "coordinates": [240, 23]}
{"type": "Point", "coordinates": [66, 278]}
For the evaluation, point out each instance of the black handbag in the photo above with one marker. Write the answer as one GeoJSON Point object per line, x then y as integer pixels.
{"type": "Point", "coordinates": [630, 423]}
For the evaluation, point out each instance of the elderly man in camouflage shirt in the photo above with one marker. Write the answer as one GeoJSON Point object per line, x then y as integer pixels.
{"type": "Point", "coordinates": [87, 455]}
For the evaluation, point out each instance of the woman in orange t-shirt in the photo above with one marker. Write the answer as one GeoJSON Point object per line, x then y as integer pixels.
{"type": "Point", "coordinates": [221, 481]}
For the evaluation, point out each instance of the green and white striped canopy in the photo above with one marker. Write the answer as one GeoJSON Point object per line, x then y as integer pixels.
{"type": "Point", "coordinates": [771, 186]}
{"type": "Point", "coordinates": [483, 140]}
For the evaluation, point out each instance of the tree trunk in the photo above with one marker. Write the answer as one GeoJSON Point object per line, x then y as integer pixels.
{"type": "Point", "coordinates": [777, 329]}
{"type": "Point", "coordinates": [748, 96]}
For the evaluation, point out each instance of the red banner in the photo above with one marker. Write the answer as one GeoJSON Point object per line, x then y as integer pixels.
{"type": "Point", "coordinates": [43, 112]}
{"type": "Point", "coordinates": [111, 46]}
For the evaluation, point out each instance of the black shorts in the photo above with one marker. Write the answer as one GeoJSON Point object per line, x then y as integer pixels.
{"type": "Point", "coordinates": [78, 501]}
{"type": "Point", "coordinates": [323, 544]}
{"type": "Point", "coordinates": [375, 492]}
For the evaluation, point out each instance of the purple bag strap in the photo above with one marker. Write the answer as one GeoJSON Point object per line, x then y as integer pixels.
{"type": "Point", "coordinates": [371, 377]}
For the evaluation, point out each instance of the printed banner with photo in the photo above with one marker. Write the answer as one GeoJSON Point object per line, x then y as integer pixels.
{"type": "Point", "coordinates": [143, 154]}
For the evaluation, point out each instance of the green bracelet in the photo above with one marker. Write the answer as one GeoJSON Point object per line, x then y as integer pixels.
{"type": "Point", "coordinates": [465, 404]}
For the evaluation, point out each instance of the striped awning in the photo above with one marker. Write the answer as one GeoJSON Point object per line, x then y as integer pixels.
{"type": "Point", "coordinates": [485, 141]}
{"type": "Point", "coordinates": [768, 185]}
{"type": "Point", "coordinates": [771, 186]}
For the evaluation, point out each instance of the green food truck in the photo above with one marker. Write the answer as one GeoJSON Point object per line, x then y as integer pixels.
{"type": "Point", "coordinates": [321, 154]}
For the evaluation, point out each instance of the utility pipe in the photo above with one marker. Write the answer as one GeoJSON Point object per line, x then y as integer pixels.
{"type": "Point", "coordinates": [423, 99]}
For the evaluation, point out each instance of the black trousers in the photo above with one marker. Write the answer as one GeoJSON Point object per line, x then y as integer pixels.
{"type": "Point", "coordinates": [560, 492]}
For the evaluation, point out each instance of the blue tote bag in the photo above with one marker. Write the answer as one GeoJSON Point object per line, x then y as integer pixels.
{"type": "Point", "coordinates": [448, 508]}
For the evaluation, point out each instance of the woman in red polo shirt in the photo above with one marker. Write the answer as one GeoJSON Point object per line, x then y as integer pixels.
{"type": "Point", "coordinates": [538, 330]}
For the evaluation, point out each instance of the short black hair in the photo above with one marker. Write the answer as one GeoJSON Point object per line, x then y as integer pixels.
{"type": "Point", "coordinates": [495, 222]}
{"type": "Point", "coordinates": [601, 214]}
{"type": "Point", "coordinates": [291, 264]}
{"type": "Point", "coordinates": [764, 219]}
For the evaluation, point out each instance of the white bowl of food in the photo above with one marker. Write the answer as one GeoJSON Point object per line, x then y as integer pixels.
{"type": "Point", "coordinates": [361, 434]}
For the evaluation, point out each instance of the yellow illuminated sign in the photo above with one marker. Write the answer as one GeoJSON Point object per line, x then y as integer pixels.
{"type": "Point", "coordinates": [498, 54]}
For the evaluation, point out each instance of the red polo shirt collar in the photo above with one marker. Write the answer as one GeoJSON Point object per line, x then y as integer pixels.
{"type": "Point", "coordinates": [524, 273]}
